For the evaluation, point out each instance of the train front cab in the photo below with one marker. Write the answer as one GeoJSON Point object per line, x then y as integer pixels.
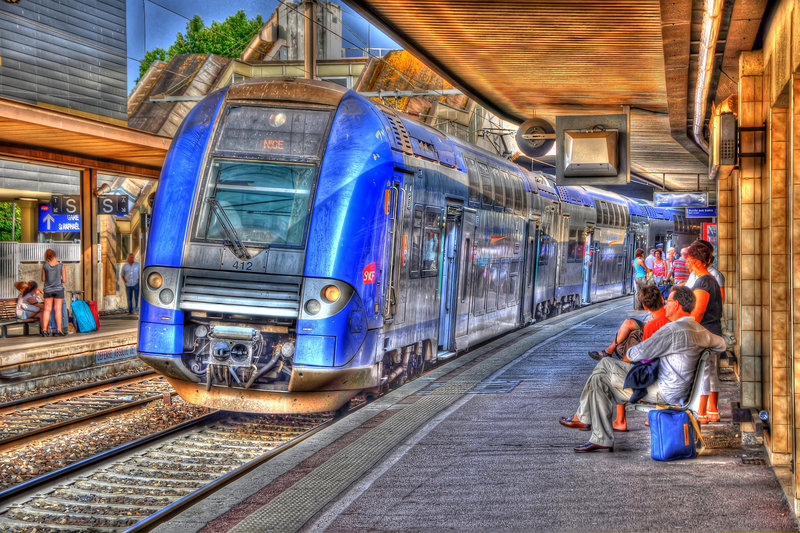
{"type": "Point", "coordinates": [245, 319]}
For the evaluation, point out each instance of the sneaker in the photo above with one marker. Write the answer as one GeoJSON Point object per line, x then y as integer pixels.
{"type": "Point", "coordinates": [598, 355]}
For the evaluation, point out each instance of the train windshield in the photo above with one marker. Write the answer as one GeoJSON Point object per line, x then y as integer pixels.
{"type": "Point", "coordinates": [265, 202]}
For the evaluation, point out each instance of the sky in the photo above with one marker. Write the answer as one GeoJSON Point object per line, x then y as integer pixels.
{"type": "Point", "coordinates": [154, 24]}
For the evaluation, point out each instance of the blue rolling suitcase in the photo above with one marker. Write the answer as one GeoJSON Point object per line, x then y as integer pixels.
{"type": "Point", "coordinates": [84, 319]}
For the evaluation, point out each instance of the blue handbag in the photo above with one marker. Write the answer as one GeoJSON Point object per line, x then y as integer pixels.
{"type": "Point", "coordinates": [673, 433]}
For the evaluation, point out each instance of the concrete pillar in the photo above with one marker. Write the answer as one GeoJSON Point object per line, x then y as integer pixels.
{"type": "Point", "coordinates": [747, 310]}
{"type": "Point", "coordinates": [775, 268]}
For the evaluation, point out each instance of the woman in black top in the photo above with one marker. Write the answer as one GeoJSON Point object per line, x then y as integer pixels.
{"type": "Point", "coordinates": [708, 313]}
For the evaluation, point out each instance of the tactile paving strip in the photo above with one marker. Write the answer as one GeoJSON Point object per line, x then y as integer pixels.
{"type": "Point", "coordinates": [291, 509]}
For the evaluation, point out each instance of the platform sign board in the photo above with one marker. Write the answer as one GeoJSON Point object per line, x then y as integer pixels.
{"type": "Point", "coordinates": [112, 204]}
{"type": "Point", "coordinates": [680, 199]}
{"type": "Point", "coordinates": [50, 223]}
{"type": "Point", "coordinates": [65, 204]}
{"type": "Point", "coordinates": [701, 212]}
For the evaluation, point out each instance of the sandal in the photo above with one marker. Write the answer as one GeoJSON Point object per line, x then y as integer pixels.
{"type": "Point", "coordinates": [713, 416]}
{"type": "Point", "coordinates": [702, 419]}
{"type": "Point", "coordinates": [598, 355]}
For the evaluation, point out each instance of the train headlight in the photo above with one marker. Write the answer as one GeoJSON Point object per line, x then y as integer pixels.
{"type": "Point", "coordinates": [154, 280]}
{"type": "Point", "coordinates": [201, 331]}
{"type": "Point", "coordinates": [166, 296]}
{"type": "Point", "coordinates": [276, 120]}
{"type": "Point", "coordinates": [331, 293]}
{"type": "Point", "coordinates": [313, 307]}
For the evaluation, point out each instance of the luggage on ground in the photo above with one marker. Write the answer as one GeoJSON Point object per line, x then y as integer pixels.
{"type": "Point", "coordinates": [95, 314]}
{"type": "Point", "coordinates": [64, 318]}
{"type": "Point", "coordinates": [673, 433]}
{"type": "Point", "coordinates": [83, 316]}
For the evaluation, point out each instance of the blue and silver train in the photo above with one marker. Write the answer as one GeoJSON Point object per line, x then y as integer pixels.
{"type": "Point", "coordinates": [308, 245]}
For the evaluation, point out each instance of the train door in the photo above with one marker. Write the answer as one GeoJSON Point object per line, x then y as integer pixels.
{"type": "Point", "coordinates": [561, 233]}
{"type": "Point", "coordinates": [464, 272]}
{"type": "Point", "coordinates": [393, 208]}
{"type": "Point", "coordinates": [588, 256]}
{"type": "Point", "coordinates": [529, 273]}
{"type": "Point", "coordinates": [630, 249]}
{"type": "Point", "coordinates": [448, 280]}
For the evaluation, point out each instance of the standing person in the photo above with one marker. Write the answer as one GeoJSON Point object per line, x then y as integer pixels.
{"type": "Point", "coordinates": [680, 272]}
{"type": "Point", "coordinates": [130, 273]}
{"type": "Point", "coordinates": [640, 272]}
{"type": "Point", "coordinates": [54, 276]}
{"type": "Point", "coordinates": [660, 269]}
{"type": "Point", "coordinates": [650, 258]}
{"type": "Point", "coordinates": [671, 254]}
{"type": "Point", "coordinates": [708, 313]}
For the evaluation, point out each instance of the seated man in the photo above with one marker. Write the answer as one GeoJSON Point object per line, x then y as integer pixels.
{"type": "Point", "coordinates": [633, 331]}
{"type": "Point", "coordinates": [678, 344]}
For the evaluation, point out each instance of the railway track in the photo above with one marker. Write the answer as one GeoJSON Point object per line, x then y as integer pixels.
{"type": "Point", "coordinates": [154, 477]}
{"type": "Point", "coordinates": [21, 420]}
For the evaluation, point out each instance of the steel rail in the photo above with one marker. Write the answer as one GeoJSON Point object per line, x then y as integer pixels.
{"type": "Point", "coordinates": [78, 388]}
{"type": "Point", "coordinates": [181, 504]}
{"type": "Point", "coordinates": [5, 443]}
{"type": "Point", "coordinates": [89, 461]}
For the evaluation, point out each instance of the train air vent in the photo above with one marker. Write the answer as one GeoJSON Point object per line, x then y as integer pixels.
{"type": "Point", "coordinates": [402, 140]}
{"type": "Point", "coordinates": [241, 294]}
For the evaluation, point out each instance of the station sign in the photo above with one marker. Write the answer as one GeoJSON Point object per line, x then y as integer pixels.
{"type": "Point", "coordinates": [701, 212]}
{"type": "Point", "coordinates": [112, 204]}
{"type": "Point", "coordinates": [680, 199]}
{"type": "Point", "coordinates": [65, 204]}
{"type": "Point", "coordinates": [52, 223]}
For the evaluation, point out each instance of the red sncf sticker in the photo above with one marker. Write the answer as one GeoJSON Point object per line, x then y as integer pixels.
{"type": "Point", "coordinates": [368, 274]}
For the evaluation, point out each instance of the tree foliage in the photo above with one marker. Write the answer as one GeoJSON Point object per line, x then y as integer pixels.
{"type": "Point", "coordinates": [6, 221]}
{"type": "Point", "coordinates": [226, 39]}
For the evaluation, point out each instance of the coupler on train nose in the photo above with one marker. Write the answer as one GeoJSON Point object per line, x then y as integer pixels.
{"type": "Point", "coordinates": [233, 353]}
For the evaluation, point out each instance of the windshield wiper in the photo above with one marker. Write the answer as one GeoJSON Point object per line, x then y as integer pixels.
{"type": "Point", "coordinates": [233, 241]}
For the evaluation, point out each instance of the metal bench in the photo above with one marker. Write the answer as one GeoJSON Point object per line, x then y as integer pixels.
{"type": "Point", "coordinates": [8, 317]}
{"type": "Point", "coordinates": [694, 397]}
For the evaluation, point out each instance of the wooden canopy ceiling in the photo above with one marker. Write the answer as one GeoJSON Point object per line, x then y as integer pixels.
{"type": "Point", "coordinates": [526, 58]}
{"type": "Point", "coordinates": [39, 135]}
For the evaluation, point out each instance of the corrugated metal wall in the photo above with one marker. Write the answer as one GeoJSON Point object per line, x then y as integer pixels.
{"type": "Point", "coordinates": [14, 253]}
{"type": "Point", "coordinates": [69, 53]}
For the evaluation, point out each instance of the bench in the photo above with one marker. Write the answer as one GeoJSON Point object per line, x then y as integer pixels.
{"type": "Point", "coordinates": [694, 396]}
{"type": "Point", "coordinates": [8, 317]}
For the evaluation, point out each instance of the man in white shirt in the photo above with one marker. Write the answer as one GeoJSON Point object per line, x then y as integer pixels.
{"type": "Point", "coordinates": [130, 273]}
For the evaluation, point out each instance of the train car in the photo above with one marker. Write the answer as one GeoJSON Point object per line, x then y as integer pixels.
{"type": "Point", "coordinates": [308, 245]}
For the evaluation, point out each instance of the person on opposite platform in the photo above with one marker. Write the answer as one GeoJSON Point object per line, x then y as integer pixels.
{"type": "Point", "coordinates": [678, 344]}
{"type": "Point", "coordinates": [130, 274]}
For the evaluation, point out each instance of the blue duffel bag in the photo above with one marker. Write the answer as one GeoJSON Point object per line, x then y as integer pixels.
{"type": "Point", "coordinates": [673, 434]}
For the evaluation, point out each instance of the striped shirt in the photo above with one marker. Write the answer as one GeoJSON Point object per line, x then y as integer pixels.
{"type": "Point", "coordinates": [680, 270]}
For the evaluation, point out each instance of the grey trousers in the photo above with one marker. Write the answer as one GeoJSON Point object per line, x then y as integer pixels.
{"type": "Point", "coordinates": [603, 390]}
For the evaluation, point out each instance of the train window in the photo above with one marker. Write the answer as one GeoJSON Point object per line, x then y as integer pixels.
{"type": "Point", "coordinates": [502, 287]}
{"type": "Point", "coordinates": [511, 193]}
{"type": "Point", "coordinates": [416, 239]}
{"type": "Point", "coordinates": [513, 283]}
{"type": "Point", "coordinates": [519, 199]}
{"type": "Point", "coordinates": [431, 242]}
{"type": "Point", "coordinates": [266, 203]}
{"type": "Point", "coordinates": [545, 249]}
{"type": "Point", "coordinates": [575, 247]}
{"type": "Point", "coordinates": [491, 292]}
{"type": "Point", "coordinates": [487, 192]}
{"type": "Point", "coordinates": [474, 182]}
{"type": "Point", "coordinates": [499, 188]}
{"type": "Point", "coordinates": [478, 287]}
{"type": "Point", "coordinates": [267, 130]}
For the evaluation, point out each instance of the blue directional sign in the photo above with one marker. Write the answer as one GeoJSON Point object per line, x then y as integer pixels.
{"type": "Point", "coordinates": [50, 223]}
{"type": "Point", "coordinates": [701, 212]}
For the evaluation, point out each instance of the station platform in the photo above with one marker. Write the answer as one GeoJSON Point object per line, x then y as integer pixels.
{"type": "Point", "coordinates": [32, 362]}
{"type": "Point", "coordinates": [475, 445]}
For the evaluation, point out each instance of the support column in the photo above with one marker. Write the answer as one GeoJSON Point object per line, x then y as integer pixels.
{"type": "Point", "coordinates": [310, 48]}
{"type": "Point", "coordinates": [776, 269]}
{"type": "Point", "coordinates": [747, 311]}
{"type": "Point", "coordinates": [88, 232]}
